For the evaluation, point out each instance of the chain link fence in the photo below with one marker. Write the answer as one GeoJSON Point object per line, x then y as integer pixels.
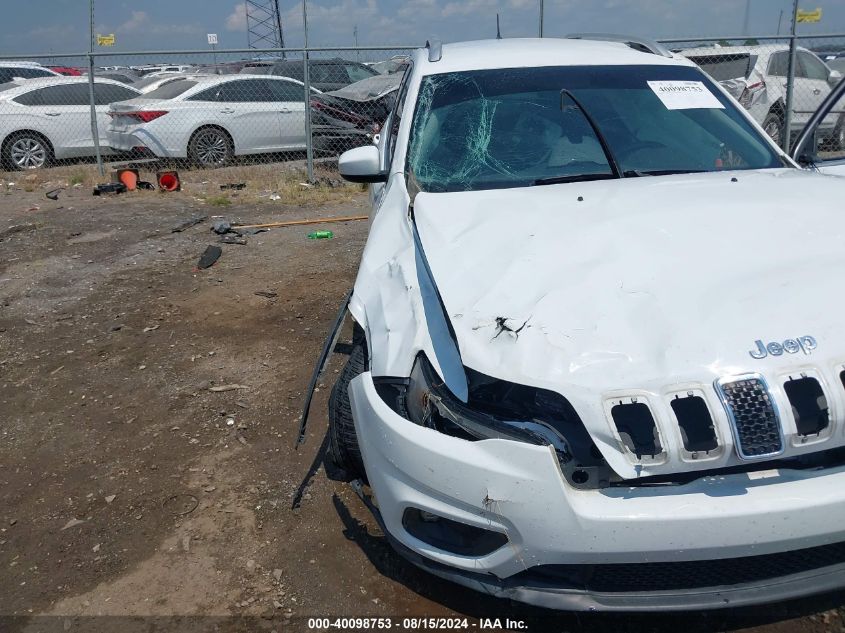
{"type": "Point", "coordinates": [780, 83]}
{"type": "Point", "coordinates": [202, 110]}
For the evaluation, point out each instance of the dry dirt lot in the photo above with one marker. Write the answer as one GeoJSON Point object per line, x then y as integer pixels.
{"type": "Point", "coordinates": [134, 497]}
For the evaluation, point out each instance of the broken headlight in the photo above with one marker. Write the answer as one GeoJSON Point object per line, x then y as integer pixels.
{"type": "Point", "coordinates": [496, 409]}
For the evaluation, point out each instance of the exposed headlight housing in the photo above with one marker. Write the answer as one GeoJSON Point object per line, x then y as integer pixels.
{"type": "Point", "coordinates": [499, 409]}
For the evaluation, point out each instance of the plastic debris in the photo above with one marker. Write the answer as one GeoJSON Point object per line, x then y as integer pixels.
{"type": "Point", "coordinates": [209, 257]}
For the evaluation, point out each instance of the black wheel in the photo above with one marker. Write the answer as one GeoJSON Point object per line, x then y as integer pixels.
{"type": "Point", "coordinates": [27, 150]}
{"type": "Point", "coordinates": [773, 126]}
{"type": "Point", "coordinates": [343, 447]}
{"type": "Point", "coordinates": [211, 147]}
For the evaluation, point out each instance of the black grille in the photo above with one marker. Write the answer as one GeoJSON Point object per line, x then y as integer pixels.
{"type": "Point", "coordinates": [642, 577]}
{"type": "Point", "coordinates": [753, 417]}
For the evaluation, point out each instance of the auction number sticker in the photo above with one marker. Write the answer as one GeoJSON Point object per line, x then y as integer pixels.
{"type": "Point", "coordinates": [684, 95]}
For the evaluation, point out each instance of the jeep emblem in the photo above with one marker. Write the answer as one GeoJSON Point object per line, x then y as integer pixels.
{"type": "Point", "coordinates": [805, 344]}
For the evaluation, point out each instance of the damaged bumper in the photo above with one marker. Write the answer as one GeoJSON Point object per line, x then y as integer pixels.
{"type": "Point", "coordinates": [716, 542]}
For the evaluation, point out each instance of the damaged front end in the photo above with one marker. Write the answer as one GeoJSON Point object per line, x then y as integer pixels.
{"type": "Point", "coordinates": [497, 409]}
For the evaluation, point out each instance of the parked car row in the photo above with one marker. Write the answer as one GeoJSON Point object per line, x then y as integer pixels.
{"type": "Point", "coordinates": [757, 76]}
{"type": "Point", "coordinates": [169, 113]}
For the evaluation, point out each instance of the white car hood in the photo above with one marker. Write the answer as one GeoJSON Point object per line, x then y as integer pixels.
{"type": "Point", "coordinates": [639, 284]}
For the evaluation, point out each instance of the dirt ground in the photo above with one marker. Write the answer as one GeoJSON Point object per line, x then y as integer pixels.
{"type": "Point", "coordinates": [135, 497]}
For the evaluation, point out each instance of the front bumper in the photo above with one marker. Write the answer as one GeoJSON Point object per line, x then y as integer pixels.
{"type": "Point", "coordinates": [559, 536]}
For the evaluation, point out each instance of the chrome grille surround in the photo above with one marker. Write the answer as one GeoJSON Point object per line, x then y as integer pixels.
{"type": "Point", "coordinates": [753, 415]}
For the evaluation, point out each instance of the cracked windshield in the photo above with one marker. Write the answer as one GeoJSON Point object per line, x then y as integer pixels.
{"type": "Point", "coordinates": [519, 127]}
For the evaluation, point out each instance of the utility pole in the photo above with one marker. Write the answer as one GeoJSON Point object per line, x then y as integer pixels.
{"type": "Point", "coordinates": [780, 19]}
{"type": "Point", "coordinates": [790, 81]}
{"type": "Point", "coordinates": [355, 34]}
{"type": "Point", "coordinates": [309, 140]}
{"type": "Point", "coordinates": [95, 132]}
{"type": "Point", "coordinates": [498, 30]}
{"type": "Point", "coordinates": [541, 17]}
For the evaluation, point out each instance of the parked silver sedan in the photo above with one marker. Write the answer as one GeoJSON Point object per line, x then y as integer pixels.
{"type": "Point", "coordinates": [42, 120]}
{"type": "Point", "coordinates": [211, 119]}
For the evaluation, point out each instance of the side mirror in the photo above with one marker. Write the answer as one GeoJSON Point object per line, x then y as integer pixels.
{"type": "Point", "coordinates": [361, 164]}
{"type": "Point", "coordinates": [834, 77]}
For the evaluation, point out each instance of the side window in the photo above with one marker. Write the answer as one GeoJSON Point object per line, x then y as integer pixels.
{"type": "Point", "coordinates": [246, 91]}
{"type": "Point", "coordinates": [107, 93]}
{"type": "Point", "coordinates": [66, 95]}
{"type": "Point", "coordinates": [320, 73]}
{"type": "Point", "coordinates": [211, 94]}
{"type": "Point", "coordinates": [30, 73]}
{"type": "Point", "coordinates": [779, 64]}
{"type": "Point", "coordinates": [290, 69]}
{"type": "Point", "coordinates": [286, 91]}
{"type": "Point", "coordinates": [33, 98]}
{"type": "Point", "coordinates": [396, 119]}
{"type": "Point", "coordinates": [813, 67]}
{"type": "Point", "coordinates": [357, 73]}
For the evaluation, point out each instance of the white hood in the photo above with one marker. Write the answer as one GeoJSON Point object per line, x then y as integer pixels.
{"type": "Point", "coordinates": [643, 283]}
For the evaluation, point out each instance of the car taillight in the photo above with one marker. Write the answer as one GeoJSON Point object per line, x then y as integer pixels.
{"type": "Point", "coordinates": [144, 116]}
{"type": "Point", "coordinates": [749, 92]}
{"type": "Point", "coordinates": [149, 115]}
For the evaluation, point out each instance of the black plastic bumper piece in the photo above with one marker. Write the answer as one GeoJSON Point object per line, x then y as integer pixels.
{"type": "Point", "coordinates": [558, 595]}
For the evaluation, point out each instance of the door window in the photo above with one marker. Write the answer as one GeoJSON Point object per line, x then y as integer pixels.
{"type": "Point", "coordinates": [108, 93]}
{"type": "Point", "coordinates": [358, 72]}
{"type": "Point", "coordinates": [779, 64]}
{"type": "Point", "coordinates": [287, 91]}
{"type": "Point", "coordinates": [812, 66]}
{"type": "Point", "coordinates": [246, 91]}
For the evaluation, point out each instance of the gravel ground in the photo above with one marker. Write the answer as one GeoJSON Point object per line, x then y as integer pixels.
{"type": "Point", "coordinates": [133, 496]}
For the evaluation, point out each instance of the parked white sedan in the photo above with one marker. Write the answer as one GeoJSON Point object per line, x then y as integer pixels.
{"type": "Point", "coordinates": [209, 120]}
{"type": "Point", "coordinates": [42, 120]}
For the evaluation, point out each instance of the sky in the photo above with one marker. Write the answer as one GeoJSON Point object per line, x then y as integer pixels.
{"type": "Point", "coordinates": [59, 26]}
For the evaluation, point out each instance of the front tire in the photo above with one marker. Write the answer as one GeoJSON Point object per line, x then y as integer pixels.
{"type": "Point", "coordinates": [773, 126]}
{"type": "Point", "coordinates": [211, 147]}
{"type": "Point", "coordinates": [343, 447]}
{"type": "Point", "coordinates": [27, 150]}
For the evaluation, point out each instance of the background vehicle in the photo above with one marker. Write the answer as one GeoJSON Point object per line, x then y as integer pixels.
{"type": "Point", "coordinates": [352, 115]}
{"type": "Point", "coordinates": [756, 76]}
{"type": "Point", "coordinates": [211, 119]}
{"type": "Point", "coordinates": [23, 70]}
{"type": "Point", "coordinates": [46, 119]}
{"type": "Point", "coordinates": [324, 74]}
{"type": "Point", "coordinates": [66, 71]}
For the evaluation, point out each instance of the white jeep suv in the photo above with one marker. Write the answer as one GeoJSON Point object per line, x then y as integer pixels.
{"type": "Point", "coordinates": [590, 366]}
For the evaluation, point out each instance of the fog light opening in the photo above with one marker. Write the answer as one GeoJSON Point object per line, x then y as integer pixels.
{"type": "Point", "coordinates": [451, 536]}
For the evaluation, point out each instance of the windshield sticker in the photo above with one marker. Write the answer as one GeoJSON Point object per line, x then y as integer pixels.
{"type": "Point", "coordinates": [684, 95]}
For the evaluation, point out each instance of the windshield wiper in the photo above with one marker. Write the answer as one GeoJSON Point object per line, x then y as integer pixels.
{"type": "Point", "coordinates": [553, 180]}
{"type": "Point", "coordinates": [614, 165]}
{"type": "Point", "coordinates": [669, 172]}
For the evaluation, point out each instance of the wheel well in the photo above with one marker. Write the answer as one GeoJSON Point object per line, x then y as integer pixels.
{"type": "Point", "coordinates": [16, 133]}
{"type": "Point", "coordinates": [212, 127]}
{"type": "Point", "coordinates": [778, 109]}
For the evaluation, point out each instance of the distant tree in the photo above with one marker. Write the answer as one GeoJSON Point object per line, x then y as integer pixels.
{"type": "Point", "coordinates": [724, 43]}
{"type": "Point", "coordinates": [751, 42]}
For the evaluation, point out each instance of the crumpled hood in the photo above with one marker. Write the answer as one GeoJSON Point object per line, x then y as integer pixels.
{"type": "Point", "coordinates": [638, 283]}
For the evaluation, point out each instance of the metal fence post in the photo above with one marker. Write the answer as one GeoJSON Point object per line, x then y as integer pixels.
{"type": "Point", "coordinates": [309, 138]}
{"type": "Point", "coordinates": [790, 84]}
{"type": "Point", "coordinates": [95, 131]}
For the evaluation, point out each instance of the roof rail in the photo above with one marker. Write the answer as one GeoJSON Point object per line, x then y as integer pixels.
{"type": "Point", "coordinates": [642, 44]}
{"type": "Point", "coordinates": [435, 49]}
